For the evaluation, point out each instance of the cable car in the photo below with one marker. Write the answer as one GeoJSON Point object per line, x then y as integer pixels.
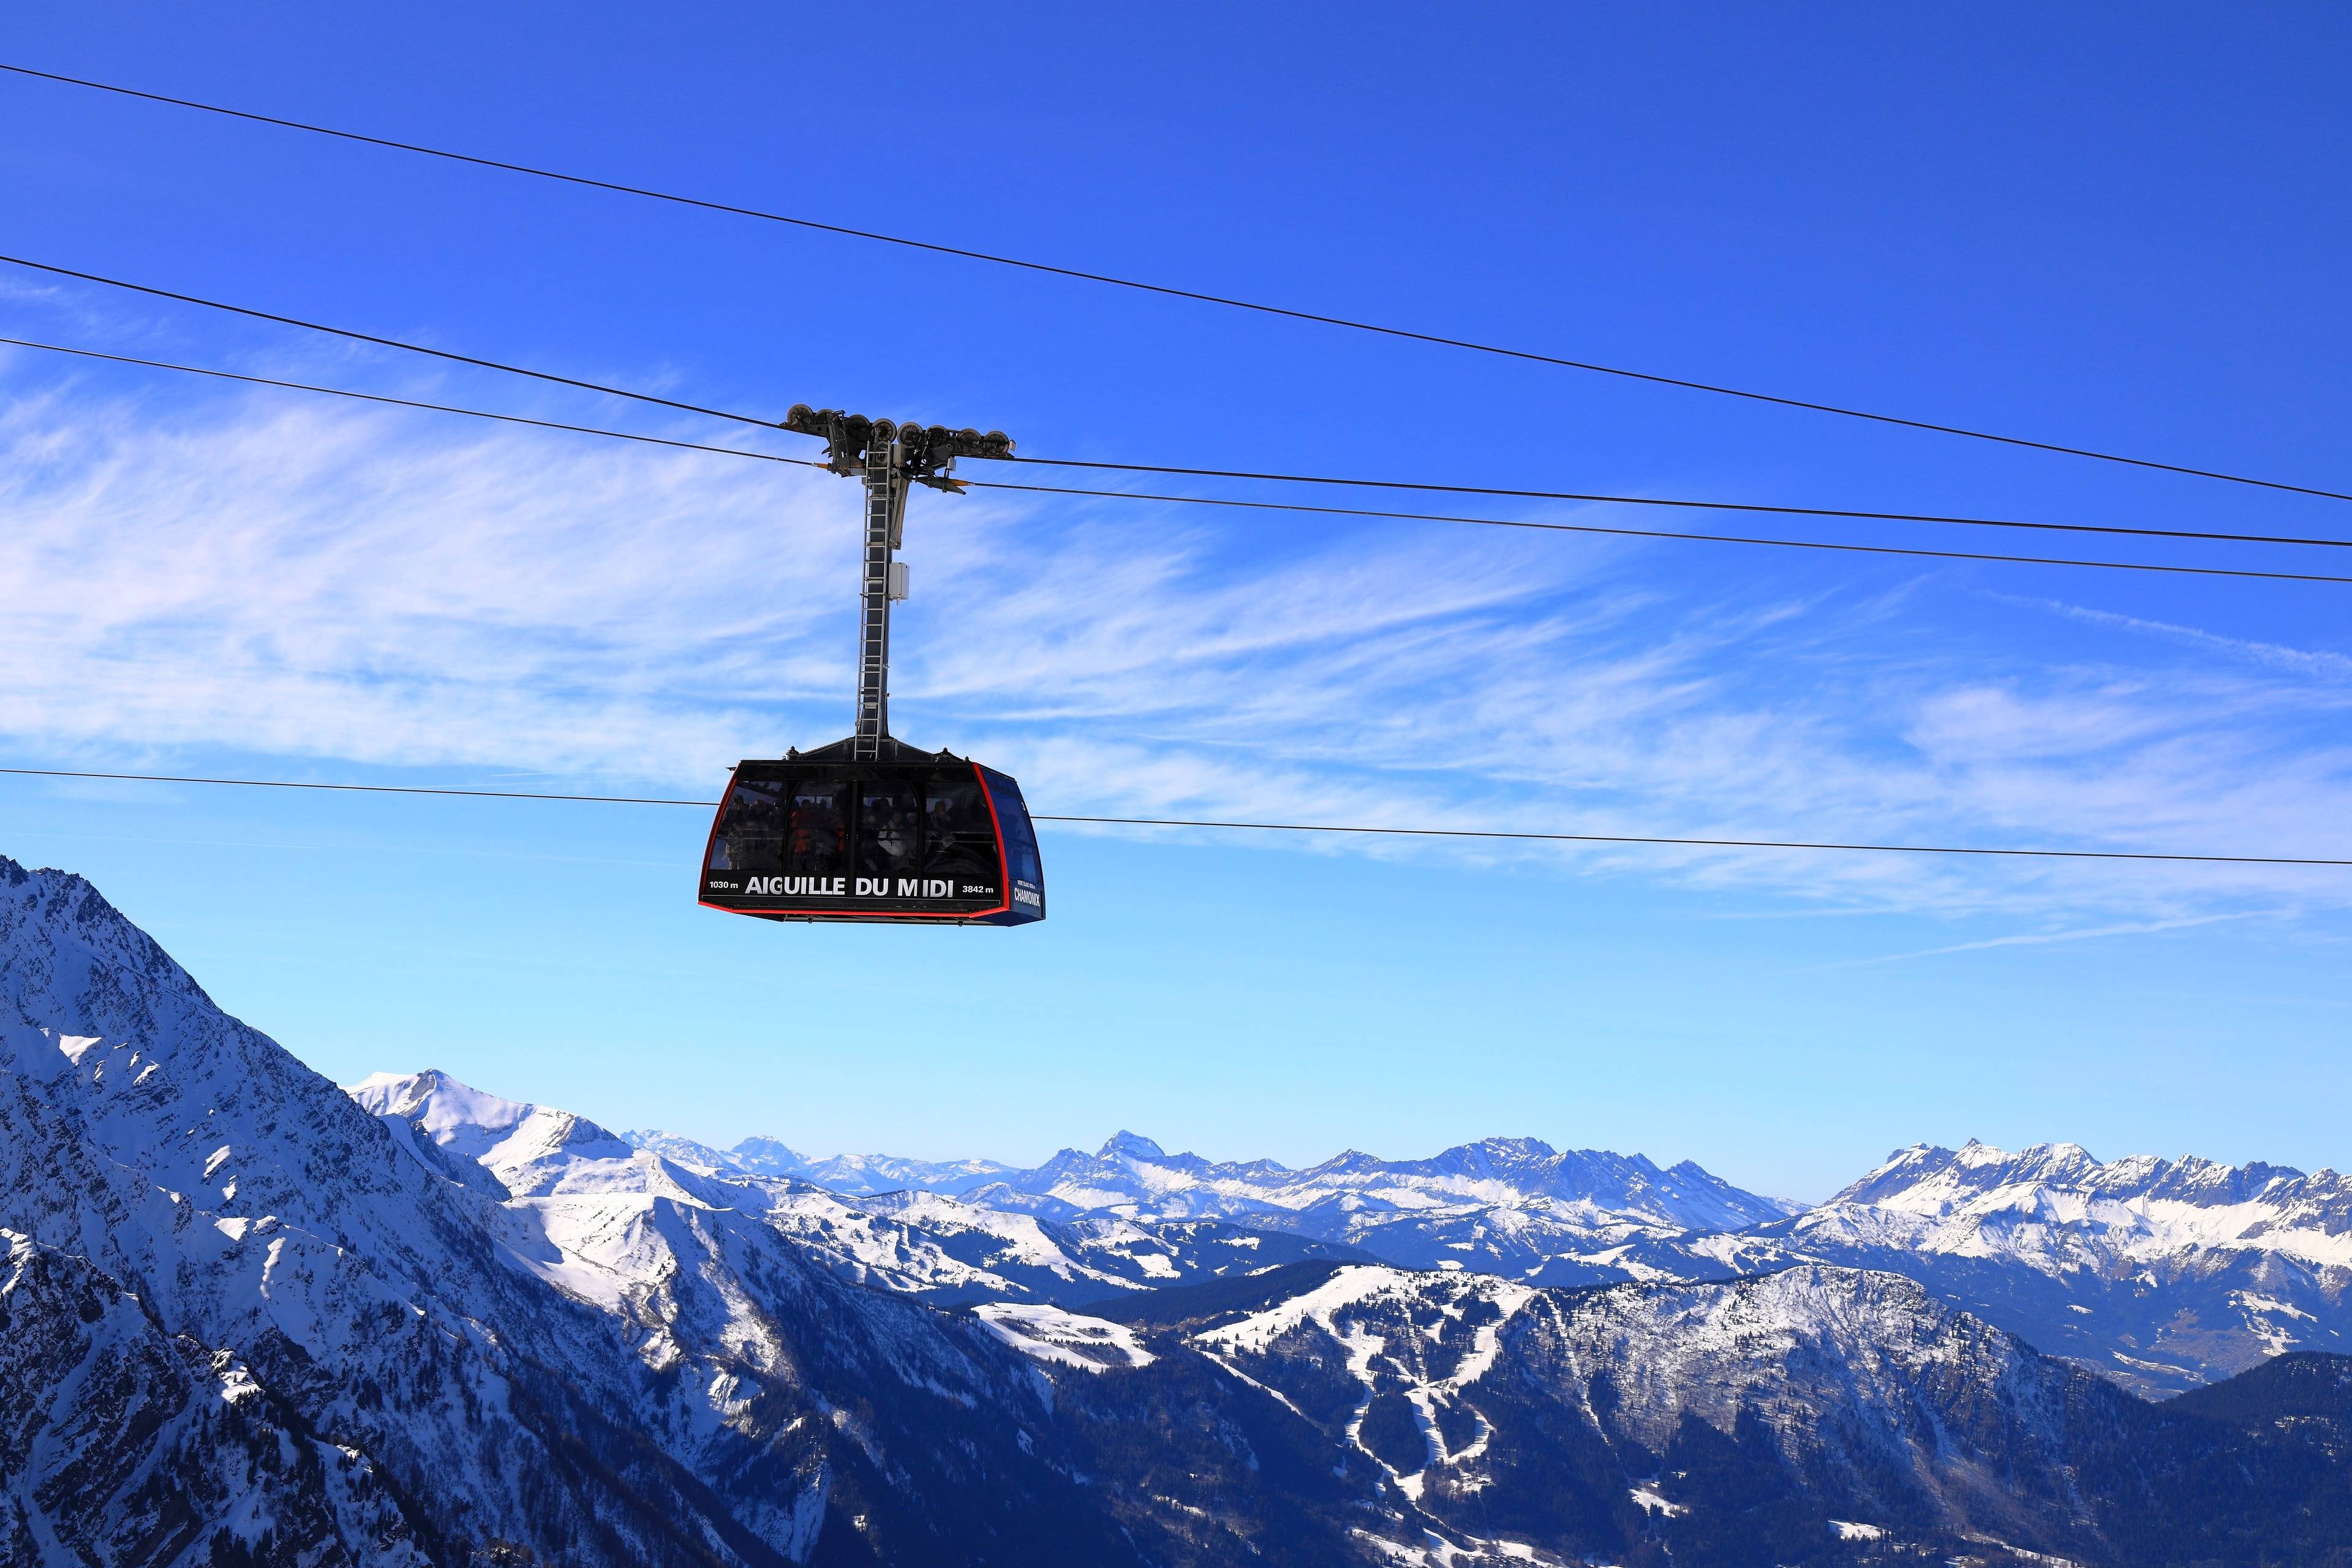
{"type": "Point", "coordinates": [911, 836]}
{"type": "Point", "coordinates": [870, 828]}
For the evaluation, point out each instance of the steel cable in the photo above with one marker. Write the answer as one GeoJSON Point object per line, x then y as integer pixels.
{"type": "Point", "coordinates": [1173, 292]}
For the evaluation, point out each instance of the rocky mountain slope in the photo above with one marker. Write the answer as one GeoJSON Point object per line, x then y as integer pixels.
{"type": "Point", "coordinates": [1503, 1206]}
{"type": "Point", "coordinates": [246, 1319]}
{"type": "Point", "coordinates": [1816, 1414]}
{"type": "Point", "coordinates": [2163, 1274]}
{"type": "Point", "coordinates": [211, 1247]}
{"type": "Point", "coordinates": [580, 1180]}
{"type": "Point", "coordinates": [859, 1175]}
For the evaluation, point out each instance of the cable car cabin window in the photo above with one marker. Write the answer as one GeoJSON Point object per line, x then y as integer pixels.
{"type": "Point", "coordinates": [886, 827]}
{"type": "Point", "coordinates": [1021, 856]}
{"type": "Point", "coordinates": [820, 828]}
{"type": "Point", "coordinates": [750, 837]}
{"type": "Point", "coordinates": [1024, 868]}
{"type": "Point", "coordinates": [958, 841]}
{"type": "Point", "coordinates": [928, 838]}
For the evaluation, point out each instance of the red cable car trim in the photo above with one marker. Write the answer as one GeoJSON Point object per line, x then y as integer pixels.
{"type": "Point", "coordinates": [996, 823]}
{"type": "Point", "coordinates": [716, 818]}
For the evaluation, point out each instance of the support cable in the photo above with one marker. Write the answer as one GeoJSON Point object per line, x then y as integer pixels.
{"type": "Point", "coordinates": [1170, 292]}
{"type": "Point", "coordinates": [1329, 511]}
{"type": "Point", "coordinates": [407, 403]}
{"type": "Point", "coordinates": [385, 343]}
{"type": "Point", "coordinates": [1253, 826]}
{"type": "Point", "coordinates": [1665, 533]}
{"type": "Point", "coordinates": [1744, 506]}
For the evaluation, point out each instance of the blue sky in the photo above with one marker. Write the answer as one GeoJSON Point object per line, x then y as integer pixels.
{"type": "Point", "coordinates": [2026, 220]}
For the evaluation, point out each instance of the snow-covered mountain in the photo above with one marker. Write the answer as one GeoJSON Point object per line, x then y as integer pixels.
{"type": "Point", "coordinates": [1814, 1415]}
{"type": "Point", "coordinates": [860, 1175]}
{"type": "Point", "coordinates": [1503, 1206]}
{"type": "Point", "coordinates": [247, 1320]}
{"type": "Point", "coordinates": [2165, 1273]}
{"type": "Point", "coordinates": [580, 1179]}
{"type": "Point", "coordinates": [246, 1317]}
{"type": "Point", "coordinates": [2162, 1274]}
{"type": "Point", "coordinates": [1132, 1173]}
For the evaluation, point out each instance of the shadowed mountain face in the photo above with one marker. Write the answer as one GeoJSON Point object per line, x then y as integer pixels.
{"type": "Point", "coordinates": [574, 1177]}
{"type": "Point", "coordinates": [245, 1317]}
{"type": "Point", "coordinates": [211, 1244]}
{"type": "Point", "coordinates": [1514, 1207]}
{"type": "Point", "coordinates": [1764, 1419]}
{"type": "Point", "coordinates": [2162, 1274]}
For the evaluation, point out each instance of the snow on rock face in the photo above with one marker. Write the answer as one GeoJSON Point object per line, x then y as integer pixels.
{"type": "Point", "coordinates": [535, 1150]}
{"type": "Point", "coordinates": [141, 1447]}
{"type": "Point", "coordinates": [1134, 1174]}
{"type": "Point", "coordinates": [588, 1190]}
{"type": "Point", "coordinates": [1974, 1198]}
{"type": "Point", "coordinates": [1506, 1205]}
{"type": "Point", "coordinates": [1466, 1391]}
{"type": "Point", "coordinates": [2165, 1273]}
{"type": "Point", "coordinates": [618, 1375]}
{"type": "Point", "coordinates": [1066, 1339]}
{"type": "Point", "coordinates": [248, 1315]}
{"type": "Point", "coordinates": [859, 1175]}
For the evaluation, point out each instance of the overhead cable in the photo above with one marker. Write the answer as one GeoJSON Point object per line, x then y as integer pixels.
{"type": "Point", "coordinates": [1766, 506]}
{"type": "Point", "coordinates": [407, 403]}
{"type": "Point", "coordinates": [1210, 500]}
{"type": "Point", "coordinates": [1172, 291]}
{"type": "Point", "coordinates": [754, 420]}
{"type": "Point", "coordinates": [1664, 533]}
{"type": "Point", "coordinates": [384, 342]}
{"type": "Point", "coordinates": [1251, 826]}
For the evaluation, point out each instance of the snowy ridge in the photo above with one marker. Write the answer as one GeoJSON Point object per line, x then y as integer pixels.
{"type": "Point", "coordinates": [2058, 1201]}
{"type": "Point", "coordinates": [586, 1189]}
{"type": "Point", "coordinates": [1429, 1377]}
{"type": "Point", "coordinates": [116, 1421]}
{"type": "Point", "coordinates": [1132, 1173]}
{"type": "Point", "coordinates": [1503, 1206]}
{"type": "Point", "coordinates": [1066, 1339]}
{"type": "Point", "coordinates": [2163, 1274]}
{"type": "Point", "coordinates": [1864, 1380]}
{"type": "Point", "coordinates": [192, 1213]}
{"type": "Point", "coordinates": [859, 1174]}
{"type": "Point", "coordinates": [251, 1317]}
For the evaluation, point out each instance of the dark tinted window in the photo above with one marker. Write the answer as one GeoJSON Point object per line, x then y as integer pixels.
{"type": "Point", "coordinates": [889, 820]}
{"type": "Point", "coordinates": [957, 839]}
{"type": "Point", "coordinates": [1021, 857]}
{"type": "Point", "coordinates": [750, 836]}
{"type": "Point", "coordinates": [818, 825]}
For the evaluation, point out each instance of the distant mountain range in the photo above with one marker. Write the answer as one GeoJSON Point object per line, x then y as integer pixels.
{"type": "Point", "coordinates": [581, 1183]}
{"type": "Point", "coordinates": [248, 1318]}
{"type": "Point", "coordinates": [2163, 1274]}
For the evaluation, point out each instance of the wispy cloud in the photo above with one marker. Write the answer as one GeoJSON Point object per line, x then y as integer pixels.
{"type": "Point", "coordinates": [335, 585]}
{"type": "Point", "coordinates": [2318, 663]}
{"type": "Point", "coordinates": [2034, 939]}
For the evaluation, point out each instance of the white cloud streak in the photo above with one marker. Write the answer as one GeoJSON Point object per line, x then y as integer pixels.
{"type": "Point", "coordinates": [264, 575]}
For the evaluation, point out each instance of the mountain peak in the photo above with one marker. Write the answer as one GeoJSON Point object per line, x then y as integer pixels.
{"type": "Point", "coordinates": [1517, 1148]}
{"type": "Point", "coordinates": [769, 1157]}
{"type": "Point", "coordinates": [1133, 1145]}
